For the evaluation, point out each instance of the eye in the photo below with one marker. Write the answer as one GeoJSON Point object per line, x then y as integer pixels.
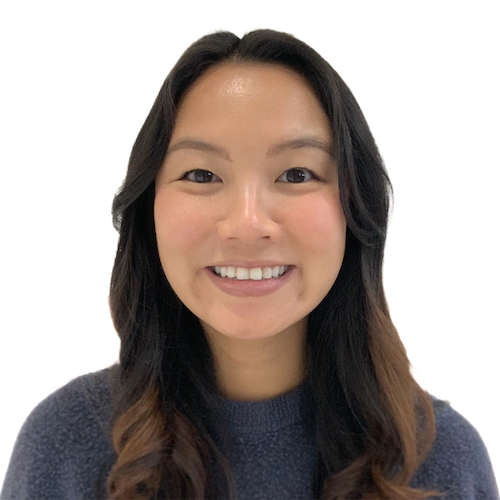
{"type": "Point", "coordinates": [298, 175]}
{"type": "Point", "coordinates": [199, 176]}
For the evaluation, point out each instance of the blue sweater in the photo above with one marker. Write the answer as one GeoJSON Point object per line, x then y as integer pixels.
{"type": "Point", "coordinates": [63, 448]}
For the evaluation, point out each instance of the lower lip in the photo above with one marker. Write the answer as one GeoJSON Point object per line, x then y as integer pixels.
{"type": "Point", "coordinates": [250, 288]}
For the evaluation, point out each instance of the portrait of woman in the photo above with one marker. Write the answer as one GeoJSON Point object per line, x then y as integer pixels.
{"type": "Point", "coordinates": [258, 358]}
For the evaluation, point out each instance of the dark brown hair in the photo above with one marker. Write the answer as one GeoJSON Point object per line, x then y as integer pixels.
{"type": "Point", "coordinates": [375, 425]}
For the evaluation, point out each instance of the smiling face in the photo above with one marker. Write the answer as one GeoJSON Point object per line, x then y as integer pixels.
{"type": "Point", "coordinates": [248, 182]}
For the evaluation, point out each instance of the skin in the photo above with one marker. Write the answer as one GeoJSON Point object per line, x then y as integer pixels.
{"type": "Point", "coordinates": [251, 211]}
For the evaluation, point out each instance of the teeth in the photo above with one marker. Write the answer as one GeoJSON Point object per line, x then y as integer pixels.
{"type": "Point", "coordinates": [241, 273]}
{"type": "Point", "coordinates": [267, 273]}
{"type": "Point", "coordinates": [256, 273]}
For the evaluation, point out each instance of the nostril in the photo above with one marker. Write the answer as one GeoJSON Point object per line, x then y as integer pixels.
{"type": "Point", "coordinates": [249, 232]}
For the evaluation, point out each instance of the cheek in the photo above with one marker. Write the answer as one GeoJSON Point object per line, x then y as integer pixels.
{"type": "Point", "coordinates": [320, 222]}
{"type": "Point", "coordinates": [320, 229]}
{"type": "Point", "coordinates": [178, 223]}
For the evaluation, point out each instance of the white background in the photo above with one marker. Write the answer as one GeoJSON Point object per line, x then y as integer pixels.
{"type": "Point", "coordinates": [78, 79]}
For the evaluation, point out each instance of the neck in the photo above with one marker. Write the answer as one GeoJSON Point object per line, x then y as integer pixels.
{"type": "Point", "coordinates": [259, 369]}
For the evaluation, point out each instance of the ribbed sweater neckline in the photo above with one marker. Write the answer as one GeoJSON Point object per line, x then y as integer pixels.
{"type": "Point", "coordinates": [293, 407]}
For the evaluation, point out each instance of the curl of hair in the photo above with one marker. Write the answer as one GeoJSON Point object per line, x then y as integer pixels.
{"type": "Point", "coordinates": [375, 425]}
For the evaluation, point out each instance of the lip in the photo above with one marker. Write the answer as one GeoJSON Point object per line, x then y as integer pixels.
{"type": "Point", "coordinates": [250, 288]}
{"type": "Point", "coordinates": [250, 264]}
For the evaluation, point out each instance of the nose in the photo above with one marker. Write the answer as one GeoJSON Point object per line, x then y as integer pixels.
{"type": "Point", "coordinates": [248, 216]}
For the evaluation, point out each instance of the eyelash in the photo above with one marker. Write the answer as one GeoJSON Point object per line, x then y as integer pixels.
{"type": "Point", "coordinates": [313, 175]}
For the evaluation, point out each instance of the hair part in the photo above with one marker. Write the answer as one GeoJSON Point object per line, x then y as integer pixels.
{"type": "Point", "coordinates": [375, 425]}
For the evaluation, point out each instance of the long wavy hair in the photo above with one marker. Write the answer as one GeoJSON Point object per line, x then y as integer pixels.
{"type": "Point", "coordinates": [374, 424]}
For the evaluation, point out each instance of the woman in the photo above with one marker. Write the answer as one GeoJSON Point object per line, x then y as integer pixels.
{"type": "Point", "coordinates": [258, 358]}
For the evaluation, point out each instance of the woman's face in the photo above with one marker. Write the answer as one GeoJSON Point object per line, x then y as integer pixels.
{"type": "Point", "coordinates": [248, 185]}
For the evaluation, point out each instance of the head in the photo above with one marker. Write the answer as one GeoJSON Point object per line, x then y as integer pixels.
{"type": "Point", "coordinates": [226, 114]}
{"type": "Point", "coordinates": [249, 181]}
{"type": "Point", "coordinates": [245, 97]}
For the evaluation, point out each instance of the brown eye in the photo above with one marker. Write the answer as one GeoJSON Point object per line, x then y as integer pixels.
{"type": "Point", "coordinates": [298, 175]}
{"type": "Point", "coordinates": [199, 176]}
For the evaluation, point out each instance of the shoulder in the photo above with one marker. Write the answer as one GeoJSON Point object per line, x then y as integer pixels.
{"type": "Point", "coordinates": [76, 407]}
{"type": "Point", "coordinates": [60, 439]}
{"type": "Point", "coordinates": [458, 463]}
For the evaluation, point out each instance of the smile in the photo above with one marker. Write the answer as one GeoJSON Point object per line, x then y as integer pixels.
{"type": "Point", "coordinates": [247, 286]}
{"type": "Point", "coordinates": [255, 273]}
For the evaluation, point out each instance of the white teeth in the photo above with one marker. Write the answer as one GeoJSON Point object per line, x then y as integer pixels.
{"type": "Point", "coordinates": [256, 273]}
{"type": "Point", "coordinates": [241, 273]}
{"type": "Point", "coordinates": [267, 273]}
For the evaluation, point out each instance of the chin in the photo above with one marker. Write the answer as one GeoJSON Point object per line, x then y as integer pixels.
{"type": "Point", "coordinates": [249, 331]}
{"type": "Point", "coordinates": [250, 334]}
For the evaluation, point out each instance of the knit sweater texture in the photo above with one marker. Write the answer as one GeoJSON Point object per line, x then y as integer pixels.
{"type": "Point", "coordinates": [64, 450]}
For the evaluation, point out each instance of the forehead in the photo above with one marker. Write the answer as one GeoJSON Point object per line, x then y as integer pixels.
{"type": "Point", "coordinates": [249, 97]}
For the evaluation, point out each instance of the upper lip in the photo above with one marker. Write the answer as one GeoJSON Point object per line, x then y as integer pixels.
{"type": "Point", "coordinates": [250, 265]}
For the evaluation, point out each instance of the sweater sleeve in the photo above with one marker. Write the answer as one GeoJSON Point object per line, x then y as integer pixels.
{"type": "Point", "coordinates": [458, 464]}
{"type": "Point", "coordinates": [61, 451]}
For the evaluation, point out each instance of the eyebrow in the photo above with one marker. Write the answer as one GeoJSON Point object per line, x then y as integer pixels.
{"type": "Point", "coordinates": [200, 146]}
{"type": "Point", "coordinates": [301, 142]}
{"type": "Point", "coordinates": [274, 150]}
